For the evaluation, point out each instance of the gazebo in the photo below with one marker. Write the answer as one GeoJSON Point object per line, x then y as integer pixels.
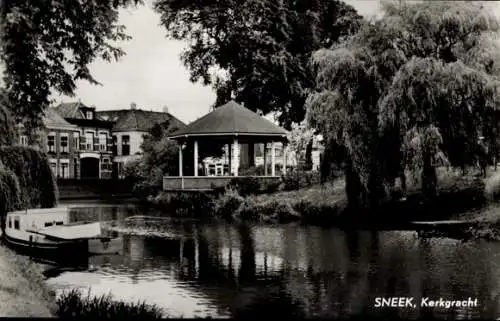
{"type": "Point", "coordinates": [232, 125]}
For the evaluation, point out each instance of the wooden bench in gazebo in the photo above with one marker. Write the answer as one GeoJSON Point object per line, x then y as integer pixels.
{"type": "Point", "coordinates": [232, 125]}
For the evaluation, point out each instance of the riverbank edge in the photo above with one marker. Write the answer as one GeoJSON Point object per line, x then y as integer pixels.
{"type": "Point", "coordinates": [324, 205]}
{"type": "Point", "coordinates": [23, 291]}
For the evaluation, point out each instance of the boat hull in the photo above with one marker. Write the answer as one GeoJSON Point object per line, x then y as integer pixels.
{"type": "Point", "coordinates": [60, 252]}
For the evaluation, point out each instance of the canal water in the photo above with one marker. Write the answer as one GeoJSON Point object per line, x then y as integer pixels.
{"type": "Point", "coordinates": [192, 268]}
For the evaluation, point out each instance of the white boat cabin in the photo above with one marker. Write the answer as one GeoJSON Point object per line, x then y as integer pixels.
{"type": "Point", "coordinates": [37, 219]}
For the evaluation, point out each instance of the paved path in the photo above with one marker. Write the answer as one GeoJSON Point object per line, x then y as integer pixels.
{"type": "Point", "coordinates": [22, 289]}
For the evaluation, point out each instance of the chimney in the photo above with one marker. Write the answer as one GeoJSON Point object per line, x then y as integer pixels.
{"type": "Point", "coordinates": [165, 109]}
{"type": "Point", "coordinates": [133, 106]}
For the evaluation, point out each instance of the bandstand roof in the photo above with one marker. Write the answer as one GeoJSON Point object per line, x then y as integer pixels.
{"type": "Point", "coordinates": [231, 119]}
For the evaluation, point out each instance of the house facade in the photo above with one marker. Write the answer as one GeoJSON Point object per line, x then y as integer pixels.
{"type": "Point", "coordinates": [59, 140]}
{"type": "Point", "coordinates": [128, 131]}
{"type": "Point", "coordinates": [93, 155]}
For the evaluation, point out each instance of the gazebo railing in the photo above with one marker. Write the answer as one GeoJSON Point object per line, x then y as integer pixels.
{"type": "Point", "coordinates": [173, 183]}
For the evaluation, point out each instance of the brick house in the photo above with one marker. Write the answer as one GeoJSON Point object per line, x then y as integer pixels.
{"type": "Point", "coordinates": [94, 140]}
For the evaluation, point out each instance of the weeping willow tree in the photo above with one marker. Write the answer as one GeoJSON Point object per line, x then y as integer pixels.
{"type": "Point", "coordinates": [10, 193]}
{"type": "Point", "coordinates": [410, 91]}
{"type": "Point", "coordinates": [34, 175]}
{"type": "Point", "coordinates": [26, 180]}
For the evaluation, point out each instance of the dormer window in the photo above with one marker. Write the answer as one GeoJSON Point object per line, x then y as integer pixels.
{"type": "Point", "coordinates": [89, 115]}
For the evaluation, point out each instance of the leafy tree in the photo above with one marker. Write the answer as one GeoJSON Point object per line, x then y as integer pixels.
{"type": "Point", "coordinates": [162, 153]}
{"type": "Point", "coordinates": [263, 47]}
{"type": "Point", "coordinates": [411, 90]}
{"type": "Point", "coordinates": [47, 47]}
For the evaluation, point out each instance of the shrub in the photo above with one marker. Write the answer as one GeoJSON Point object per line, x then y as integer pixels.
{"type": "Point", "coordinates": [254, 186]}
{"type": "Point", "coordinates": [271, 187]}
{"type": "Point", "coordinates": [274, 210]}
{"type": "Point", "coordinates": [299, 179]}
{"type": "Point", "coordinates": [249, 209]}
{"type": "Point", "coordinates": [74, 304]}
{"type": "Point", "coordinates": [252, 171]}
{"type": "Point", "coordinates": [132, 171]}
{"type": "Point", "coordinates": [193, 204]}
{"type": "Point", "coordinates": [228, 204]}
{"type": "Point", "coordinates": [245, 185]}
{"type": "Point", "coordinates": [285, 212]}
{"type": "Point", "coordinates": [150, 186]}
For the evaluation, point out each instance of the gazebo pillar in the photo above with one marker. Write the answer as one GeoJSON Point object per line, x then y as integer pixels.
{"type": "Point", "coordinates": [229, 157]}
{"type": "Point", "coordinates": [236, 154]}
{"type": "Point", "coordinates": [195, 158]}
{"type": "Point", "coordinates": [180, 160]}
{"type": "Point", "coordinates": [273, 159]}
{"type": "Point", "coordinates": [284, 158]}
{"type": "Point", "coordinates": [265, 159]}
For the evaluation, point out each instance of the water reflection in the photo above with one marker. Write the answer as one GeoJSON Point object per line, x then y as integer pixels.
{"type": "Point", "coordinates": [217, 269]}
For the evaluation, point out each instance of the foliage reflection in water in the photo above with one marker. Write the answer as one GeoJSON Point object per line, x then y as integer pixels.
{"type": "Point", "coordinates": [192, 268]}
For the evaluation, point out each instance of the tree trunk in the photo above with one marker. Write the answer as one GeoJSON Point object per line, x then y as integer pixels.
{"type": "Point", "coordinates": [308, 157]}
{"type": "Point", "coordinates": [3, 222]}
{"type": "Point", "coordinates": [402, 178]}
{"type": "Point", "coordinates": [354, 190]}
{"type": "Point", "coordinates": [378, 193]}
{"type": "Point", "coordinates": [429, 178]}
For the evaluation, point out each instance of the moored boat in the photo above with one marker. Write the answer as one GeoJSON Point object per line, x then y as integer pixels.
{"type": "Point", "coordinates": [48, 231]}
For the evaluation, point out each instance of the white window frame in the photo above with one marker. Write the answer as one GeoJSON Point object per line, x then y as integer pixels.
{"type": "Point", "coordinates": [91, 143]}
{"type": "Point", "coordinates": [76, 140]}
{"type": "Point", "coordinates": [103, 141]}
{"type": "Point", "coordinates": [61, 135]}
{"type": "Point", "coordinates": [23, 140]}
{"type": "Point", "coordinates": [61, 163]}
{"type": "Point", "coordinates": [51, 134]}
{"type": "Point", "coordinates": [125, 143]}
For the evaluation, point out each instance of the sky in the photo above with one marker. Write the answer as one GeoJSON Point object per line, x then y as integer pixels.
{"type": "Point", "coordinates": [151, 73]}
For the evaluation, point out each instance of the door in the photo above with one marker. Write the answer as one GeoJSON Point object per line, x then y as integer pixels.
{"type": "Point", "coordinates": [89, 167]}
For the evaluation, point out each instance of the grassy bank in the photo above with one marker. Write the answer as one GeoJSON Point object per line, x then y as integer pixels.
{"type": "Point", "coordinates": [23, 292]}
{"type": "Point", "coordinates": [327, 204]}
